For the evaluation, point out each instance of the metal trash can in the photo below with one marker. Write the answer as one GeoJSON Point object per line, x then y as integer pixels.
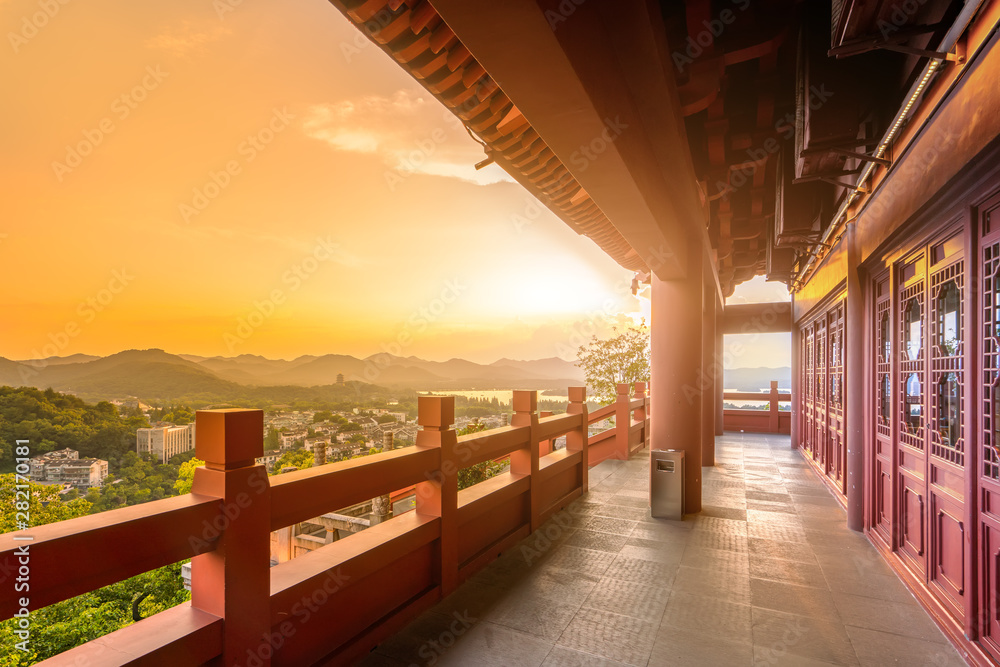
{"type": "Point", "coordinates": [666, 484]}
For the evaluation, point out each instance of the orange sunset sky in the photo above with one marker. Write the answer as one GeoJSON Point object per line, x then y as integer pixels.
{"type": "Point", "coordinates": [169, 168]}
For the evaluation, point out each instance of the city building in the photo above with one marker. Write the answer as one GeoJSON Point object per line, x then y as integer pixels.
{"type": "Point", "coordinates": [67, 468]}
{"type": "Point", "coordinates": [165, 442]}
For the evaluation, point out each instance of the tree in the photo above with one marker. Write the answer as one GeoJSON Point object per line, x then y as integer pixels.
{"type": "Point", "coordinates": [300, 458]}
{"type": "Point", "coordinates": [322, 416]}
{"type": "Point", "coordinates": [479, 472]}
{"type": "Point", "coordinates": [185, 476]}
{"type": "Point", "coordinates": [385, 419]}
{"type": "Point", "coordinates": [623, 358]}
{"type": "Point", "coordinates": [348, 427]}
{"type": "Point", "coordinates": [44, 504]}
{"type": "Point", "coordinates": [271, 442]}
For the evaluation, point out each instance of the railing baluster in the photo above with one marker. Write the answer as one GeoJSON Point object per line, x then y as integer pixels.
{"type": "Point", "coordinates": [576, 440]}
{"type": "Point", "coordinates": [641, 413]}
{"type": "Point", "coordinates": [623, 421]}
{"type": "Point", "coordinates": [233, 582]}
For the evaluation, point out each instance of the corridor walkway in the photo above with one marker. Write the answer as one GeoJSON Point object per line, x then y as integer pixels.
{"type": "Point", "coordinates": [767, 574]}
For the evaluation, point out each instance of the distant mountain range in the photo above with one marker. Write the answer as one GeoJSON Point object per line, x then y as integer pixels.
{"type": "Point", "coordinates": [755, 379]}
{"type": "Point", "coordinates": [155, 374]}
{"type": "Point", "coordinates": [158, 375]}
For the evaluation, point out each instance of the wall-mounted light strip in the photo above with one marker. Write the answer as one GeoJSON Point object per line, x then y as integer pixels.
{"type": "Point", "coordinates": [916, 90]}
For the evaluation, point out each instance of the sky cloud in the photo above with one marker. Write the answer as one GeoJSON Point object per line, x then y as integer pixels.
{"type": "Point", "coordinates": [410, 131]}
{"type": "Point", "coordinates": [186, 39]}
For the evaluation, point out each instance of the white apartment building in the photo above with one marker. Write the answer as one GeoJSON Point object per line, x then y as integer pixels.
{"type": "Point", "coordinates": [165, 442]}
{"type": "Point", "coordinates": [66, 467]}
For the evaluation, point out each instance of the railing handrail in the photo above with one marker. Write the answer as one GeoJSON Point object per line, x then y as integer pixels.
{"type": "Point", "coordinates": [234, 507]}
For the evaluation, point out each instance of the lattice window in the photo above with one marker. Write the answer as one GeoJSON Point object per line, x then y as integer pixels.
{"type": "Point", "coordinates": [883, 365]}
{"type": "Point", "coordinates": [911, 365]}
{"type": "Point", "coordinates": [836, 359]}
{"type": "Point", "coordinates": [946, 334]}
{"type": "Point", "coordinates": [991, 359]}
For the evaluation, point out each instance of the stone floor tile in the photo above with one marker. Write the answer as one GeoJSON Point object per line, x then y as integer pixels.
{"type": "Point", "coordinates": [878, 649]}
{"type": "Point", "coordinates": [488, 645]}
{"type": "Point", "coordinates": [821, 639]}
{"type": "Point", "coordinates": [613, 636]}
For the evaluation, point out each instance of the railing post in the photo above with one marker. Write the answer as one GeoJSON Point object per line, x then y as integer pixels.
{"type": "Point", "coordinates": [233, 581]}
{"type": "Point", "coordinates": [773, 421]}
{"type": "Point", "coordinates": [623, 420]}
{"type": "Point", "coordinates": [525, 461]}
{"type": "Point", "coordinates": [438, 496]}
{"type": "Point", "coordinates": [576, 441]}
{"type": "Point", "coordinates": [641, 414]}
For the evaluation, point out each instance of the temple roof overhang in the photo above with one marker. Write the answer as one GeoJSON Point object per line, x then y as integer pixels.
{"type": "Point", "coordinates": [657, 127]}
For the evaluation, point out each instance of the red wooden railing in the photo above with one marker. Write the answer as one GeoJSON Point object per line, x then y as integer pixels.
{"type": "Point", "coordinates": [771, 420]}
{"type": "Point", "coordinates": [337, 602]}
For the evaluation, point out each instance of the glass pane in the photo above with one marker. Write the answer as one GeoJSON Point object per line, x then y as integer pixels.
{"type": "Point", "coordinates": [884, 327]}
{"type": "Point", "coordinates": [949, 410]}
{"type": "Point", "coordinates": [914, 400]}
{"type": "Point", "coordinates": [948, 311]}
{"type": "Point", "coordinates": [911, 319]}
{"type": "Point", "coordinates": [884, 399]}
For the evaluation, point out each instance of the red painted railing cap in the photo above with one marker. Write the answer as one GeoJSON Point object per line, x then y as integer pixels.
{"type": "Point", "coordinates": [436, 411]}
{"type": "Point", "coordinates": [525, 401]}
{"type": "Point", "coordinates": [230, 435]}
{"type": "Point", "coordinates": [578, 394]}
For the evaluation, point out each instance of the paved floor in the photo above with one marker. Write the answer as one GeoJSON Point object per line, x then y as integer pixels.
{"type": "Point", "coordinates": [767, 574]}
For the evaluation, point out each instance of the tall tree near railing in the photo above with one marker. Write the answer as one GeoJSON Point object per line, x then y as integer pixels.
{"type": "Point", "coordinates": [621, 359]}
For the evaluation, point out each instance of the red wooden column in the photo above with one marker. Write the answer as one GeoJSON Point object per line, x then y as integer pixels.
{"type": "Point", "coordinates": [438, 496]}
{"type": "Point", "coordinates": [234, 581]}
{"type": "Point", "coordinates": [576, 441]}
{"type": "Point", "coordinates": [708, 380]}
{"type": "Point", "coordinates": [525, 461]}
{"type": "Point", "coordinates": [676, 357]}
{"type": "Point", "coordinates": [623, 420]}
{"type": "Point", "coordinates": [854, 374]}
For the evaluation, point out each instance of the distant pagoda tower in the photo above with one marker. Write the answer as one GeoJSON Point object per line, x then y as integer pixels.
{"type": "Point", "coordinates": [319, 453]}
{"type": "Point", "coordinates": [340, 378]}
